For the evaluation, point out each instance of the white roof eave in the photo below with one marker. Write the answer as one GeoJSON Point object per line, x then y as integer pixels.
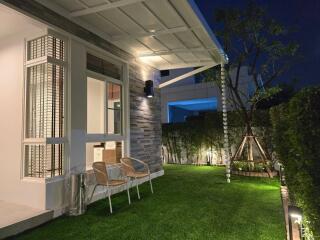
{"type": "Point", "coordinates": [208, 30]}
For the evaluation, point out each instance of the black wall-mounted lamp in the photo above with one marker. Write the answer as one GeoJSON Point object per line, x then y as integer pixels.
{"type": "Point", "coordinates": [148, 89]}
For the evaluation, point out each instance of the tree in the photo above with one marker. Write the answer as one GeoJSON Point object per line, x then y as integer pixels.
{"type": "Point", "coordinates": [251, 38]}
{"type": "Point", "coordinates": [284, 95]}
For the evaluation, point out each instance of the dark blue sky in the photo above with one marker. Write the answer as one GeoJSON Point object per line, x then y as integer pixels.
{"type": "Point", "coordinates": [303, 14]}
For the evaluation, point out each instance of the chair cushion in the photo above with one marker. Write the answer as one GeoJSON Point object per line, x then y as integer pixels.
{"type": "Point", "coordinates": [116, 182]}
{"type": "Point", "coordinates": [138, 174]}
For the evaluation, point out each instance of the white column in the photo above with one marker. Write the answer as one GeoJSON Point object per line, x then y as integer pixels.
{"type": "Point", "coordinates": [225, 122]}
{"type": "Point", "coordinates": [77, 104]}
{"type": "Point", "coordinates": [126, 111]}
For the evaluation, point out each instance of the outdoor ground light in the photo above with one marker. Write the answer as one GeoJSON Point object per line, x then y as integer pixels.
{"type": "Point", "coordinates": [148, 89]}
{"type": "Point", "coordinates": [282, 176]}
{"type": "Point", "coordinates": [209, 157]}
{"type": "Point", "coordinates": [295, 216]}
{"type": "Point", "coordinates": [296, 213]}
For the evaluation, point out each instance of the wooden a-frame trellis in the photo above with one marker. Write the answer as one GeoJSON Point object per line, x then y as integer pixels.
{"type": "Point", "coordinates": [248, 142]}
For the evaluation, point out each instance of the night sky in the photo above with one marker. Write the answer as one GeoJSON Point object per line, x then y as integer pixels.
{"type": "Point", "coordinates": [302, 14]}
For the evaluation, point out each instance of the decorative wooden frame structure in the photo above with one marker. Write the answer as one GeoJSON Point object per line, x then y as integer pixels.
{"type": "Point", "coordinates": [248, 141]}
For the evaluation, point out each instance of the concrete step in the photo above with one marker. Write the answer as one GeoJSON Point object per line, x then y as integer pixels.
{"type": "Point", "coordinates": [15, 219]}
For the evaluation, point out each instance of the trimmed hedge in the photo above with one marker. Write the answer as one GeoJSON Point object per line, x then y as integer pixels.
{"type": "Point", "coordinates": [296, 137]}
{"type": "Point", "coordinates": [185, 141]}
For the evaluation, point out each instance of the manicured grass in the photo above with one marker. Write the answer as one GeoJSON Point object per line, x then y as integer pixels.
{"type": "Point", "coordinates": [189, 203]}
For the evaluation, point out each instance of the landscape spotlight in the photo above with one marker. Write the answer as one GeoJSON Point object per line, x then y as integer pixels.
{"type": "Point", "coordinates": [296, 213]}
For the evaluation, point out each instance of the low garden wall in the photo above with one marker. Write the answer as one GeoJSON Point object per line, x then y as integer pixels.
{"type": "Point", "coordinates": [254, 174]}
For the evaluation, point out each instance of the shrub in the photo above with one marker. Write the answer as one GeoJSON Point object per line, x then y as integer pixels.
{"type": "Point", "coordinates": [296, 136]}
{"type": "Point", "coordinates": [249, 167]}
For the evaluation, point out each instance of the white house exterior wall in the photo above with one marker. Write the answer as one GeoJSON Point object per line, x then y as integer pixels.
{"type": "Point", "coordinates": [13, 188]}
{"type": "Point", "coordinates": [142, 118]}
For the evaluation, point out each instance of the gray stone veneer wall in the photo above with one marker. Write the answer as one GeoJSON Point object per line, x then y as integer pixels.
{"type": "Point", "coordinates": [145, 123]}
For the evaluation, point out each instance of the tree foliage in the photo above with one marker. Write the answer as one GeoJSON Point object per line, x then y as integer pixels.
{"type": "Point", "coordinates": [251, 38]}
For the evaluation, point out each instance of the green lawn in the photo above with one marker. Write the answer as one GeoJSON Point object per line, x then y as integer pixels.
{"type": "Point", "coordinates": [189, 203]}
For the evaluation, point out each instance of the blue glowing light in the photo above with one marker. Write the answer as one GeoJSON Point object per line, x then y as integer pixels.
{"type": "Point", "coordinates": [179, 110]}
{"type": "Point", "coordinates": [200, 104]}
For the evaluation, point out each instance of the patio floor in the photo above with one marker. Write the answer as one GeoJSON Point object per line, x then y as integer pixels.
{"type": "Point", "coordinates": [15, 218]}
{"type": "Point", "coordinates": [189, 203]}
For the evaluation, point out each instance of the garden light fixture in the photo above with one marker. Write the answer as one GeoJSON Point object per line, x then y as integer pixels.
{"type": "Point", "coordinates": [295, 217]}
{"type": "Point", "coordinates": [209, 157]}
{"type": "Point", "coordinates": [295, 213]}
{"type": "Point", "coordinates": [148, 89]}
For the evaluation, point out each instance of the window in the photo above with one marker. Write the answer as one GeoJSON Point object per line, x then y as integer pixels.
{"type": "Point", "coordinates": [114, 108]}
{"type": "Point", "coordinates": [105, 88]}
{"type": "Point", "coordinates": [44, 107]}
{"type": "Point", "coordinates": [95, 106]}
{"type": "Point", "coordinates": [102, 66]}
{"type": "Point", "coordinates": [164, 73]}
{"type": "Point", "coordinates": [109, 152]}
{"type": "Point", "coordinates": [104, 97]}
{"type": "Point", "coordinates": [104, 107]}
{"type": "Point", "coordinates": [44, 101]}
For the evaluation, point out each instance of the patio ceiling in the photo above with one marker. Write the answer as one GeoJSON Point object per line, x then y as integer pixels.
{"type": "Point", "coordinates": [165, 34]}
